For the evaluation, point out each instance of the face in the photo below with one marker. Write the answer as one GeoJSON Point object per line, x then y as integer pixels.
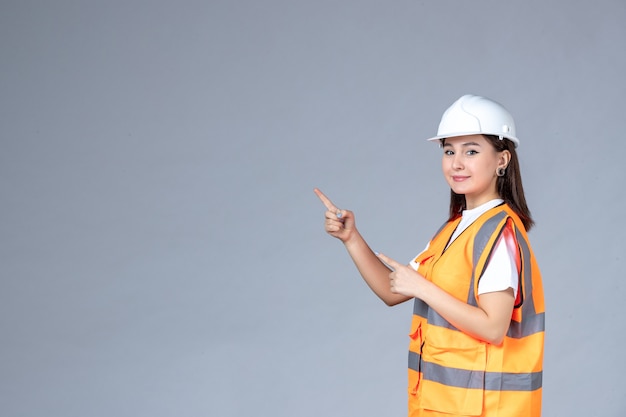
{"type": "Point", "coordinates": [469, 165]}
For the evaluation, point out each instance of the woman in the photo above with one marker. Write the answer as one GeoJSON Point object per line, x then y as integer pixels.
{"type": "Point", "coordinates": [476, 340]}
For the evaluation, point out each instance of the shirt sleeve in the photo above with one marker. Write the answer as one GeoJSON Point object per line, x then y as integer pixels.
{"type": "Point", "coordinates": [502, 271]}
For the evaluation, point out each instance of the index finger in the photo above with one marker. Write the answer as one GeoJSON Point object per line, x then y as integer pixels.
{"type": "Point", "coordinates": [388, 261]}
{"type": "Point", "coordinates": [329, 204]}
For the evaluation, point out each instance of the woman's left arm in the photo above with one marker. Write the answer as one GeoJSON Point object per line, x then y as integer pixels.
{"type": "Point", "coordinates": [488, 322]}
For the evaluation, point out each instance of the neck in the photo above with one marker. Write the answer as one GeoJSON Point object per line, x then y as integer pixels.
{"type": "Point", "coordinates": [476, 201]}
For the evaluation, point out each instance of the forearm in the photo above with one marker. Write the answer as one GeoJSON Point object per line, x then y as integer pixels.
{"type": "Point", "coordinates": [488, 322]}
{"type": "Point", "coordinates": [374, 272]}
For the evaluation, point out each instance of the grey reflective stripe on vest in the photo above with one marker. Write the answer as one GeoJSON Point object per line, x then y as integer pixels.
{"type": "Point", "coordinates": [463, 378]}
{"type": "Point", "coordinates": [530, 325]}
{"type": "Point", "coordinates": [531, 321]}
{"type": "Point", "coordinates": [414, 361]}
{"type": "Point", "coordinates": [480, 243]}
{"type": "Point", "coordinates": [421, 309]}
{"type": "Point", "coordinates": [440, 230]}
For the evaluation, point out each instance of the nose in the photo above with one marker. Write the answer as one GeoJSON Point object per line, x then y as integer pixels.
{"type": "Point", "coordinates": [457, 161]}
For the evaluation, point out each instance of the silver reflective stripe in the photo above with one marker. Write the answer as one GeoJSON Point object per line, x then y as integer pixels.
{"type": "Point", "coordinates": [421, 309]}
{"type": "Point", "coordinates": [529, 305]}
{"type": "Point", "coordinates": [502, 381]}
{"type": "Point", "coordinates": [480, 243]}
{"type": "Point", "coordinates": [529, 326]}
{"type": "Point", "coordinates": [440, 229]}
{"type": "Point", "coordinates": [453, 377]}
{"type": "Point", "coordinates": [414, 361]}
{"type": "Point", "coordinates": [531, 321]}
{"type": "Point", "coordinates": [462, 378]}
{"type": "Point", "coordinates": [491, 381]}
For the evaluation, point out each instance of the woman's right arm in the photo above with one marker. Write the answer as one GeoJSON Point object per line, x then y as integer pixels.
{"type": "Point", "coordinates": [374, 272]}
{"type": "Point", "coordinates": [341, 225]}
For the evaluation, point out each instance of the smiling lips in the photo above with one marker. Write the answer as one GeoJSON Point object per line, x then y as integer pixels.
{"type": "Point", "coordinates": [459, 178]}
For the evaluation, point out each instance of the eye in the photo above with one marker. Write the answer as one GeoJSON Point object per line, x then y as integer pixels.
{"type": "Point", "coordinates": [448, 152]}
{"type": "Point", "coordinates": [472, 152]}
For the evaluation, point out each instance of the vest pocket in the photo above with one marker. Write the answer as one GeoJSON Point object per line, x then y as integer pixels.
{"type": "Point", "coordinates": [453, 378]}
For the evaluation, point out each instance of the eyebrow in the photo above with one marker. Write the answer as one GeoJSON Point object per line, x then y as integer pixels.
{"type": "Point", "coordinates": [463, 144]}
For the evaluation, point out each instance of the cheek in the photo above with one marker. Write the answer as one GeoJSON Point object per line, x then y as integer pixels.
{"type": "Point", "coordinates": [445, 164]}
{"type": "Point", "coordinates": [446, 168]}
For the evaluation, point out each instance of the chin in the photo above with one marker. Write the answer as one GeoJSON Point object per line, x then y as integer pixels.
{"type": "Point", "coordinates": [459, 190]}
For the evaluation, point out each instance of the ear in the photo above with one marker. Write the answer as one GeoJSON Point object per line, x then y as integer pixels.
{"type": "Point", "coordinates": [504, 159]}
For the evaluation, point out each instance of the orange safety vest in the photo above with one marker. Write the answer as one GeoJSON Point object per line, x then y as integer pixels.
{"type": "Point", "coordinates": [454, 374]}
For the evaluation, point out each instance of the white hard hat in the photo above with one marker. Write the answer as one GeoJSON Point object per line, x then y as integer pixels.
{"type": "Point", "coordinates": [475, 115]}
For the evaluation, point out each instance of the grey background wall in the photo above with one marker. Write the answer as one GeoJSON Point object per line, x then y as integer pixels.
{"type": "Point", "coordinates": [161, 249]}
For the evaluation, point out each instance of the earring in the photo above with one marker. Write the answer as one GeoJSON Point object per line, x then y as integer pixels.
{"type": "Point", "coordinates": [500, 172]}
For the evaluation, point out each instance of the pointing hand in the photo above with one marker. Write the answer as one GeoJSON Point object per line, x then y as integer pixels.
{"type": "Point", "coordinates": [403, 279]}
{"type": "Point", "coordinates": [339, 223]}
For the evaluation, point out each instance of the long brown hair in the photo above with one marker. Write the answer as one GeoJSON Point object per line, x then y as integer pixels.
{"type": "Point", "coordinates": [509, 186]}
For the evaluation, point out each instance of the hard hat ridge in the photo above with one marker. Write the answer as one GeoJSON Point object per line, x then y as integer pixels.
{"type": "Point", "coordinates": [476, 115]}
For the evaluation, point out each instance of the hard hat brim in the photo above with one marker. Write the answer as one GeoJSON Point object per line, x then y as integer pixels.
{"type": "Point", "coordinates": [454, 135]}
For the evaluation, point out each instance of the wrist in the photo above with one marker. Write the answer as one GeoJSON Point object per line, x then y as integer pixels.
{"type": "Point", "coordinates": [426, 291]}
{"type": "Point", "coordinates": [353, 240]}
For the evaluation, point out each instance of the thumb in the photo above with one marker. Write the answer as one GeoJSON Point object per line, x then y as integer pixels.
{"type": "Point", "coordinates": [347, 217]}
